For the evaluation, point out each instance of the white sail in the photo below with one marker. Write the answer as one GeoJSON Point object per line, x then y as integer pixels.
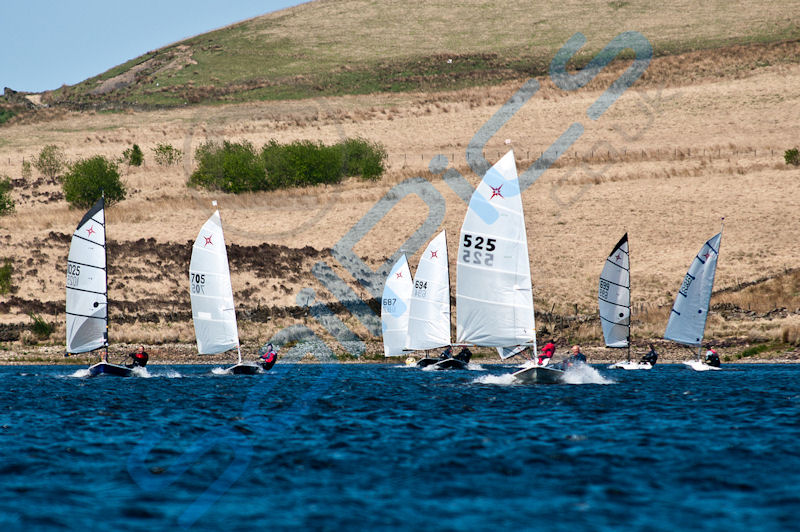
{"type": "Point", "coordinates": [494, 299]}
{"type": "Point", "coordinates": [429, 318]}
{"type": "Point", "coordinates": [87, 292]}
{"type": "Point", "coordinates": [614, 296]}
{"type": "Point", "coordinates": [687, 321]}
{"type": "Point", "coordinates": [395, 307]}
{"type": "Point", "coordinates": [213, 311]}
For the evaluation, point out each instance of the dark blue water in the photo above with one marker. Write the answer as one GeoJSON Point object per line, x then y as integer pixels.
{"type": "Point", "coordinates": [356, 447]}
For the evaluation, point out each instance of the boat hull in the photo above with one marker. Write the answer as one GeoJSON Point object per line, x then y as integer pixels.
{"type": "Point", "coordinates": [631, 365]}
{"type": "Point", "coordinates": [425, 362]}
{"type": "Point", "coordinates": [699, 365]}
{"type": "Point", "coordinates": [450, 363]}
{"type": "Point", "coordinates": [243, 369]}
{"type": "Point", "coordinates": [104, 368]}
{"type": "Point", "coordinates": [539, 375]}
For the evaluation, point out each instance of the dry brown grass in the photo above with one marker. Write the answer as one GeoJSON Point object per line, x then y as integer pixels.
{"type": "Point", "coordinates": [714, 148]}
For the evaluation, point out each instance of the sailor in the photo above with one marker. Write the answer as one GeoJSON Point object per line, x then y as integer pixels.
{"type": "Point", "coordinates": [269, 356]}
{"type": "Point", "coordinates": [650, 357]}
{"type": "Point", "coordinates": [577, 357]}
{"type": "Point", "coordinates": [548, 351]}
{"type": "Point", "coordinates": [447, 353]}
{"type": "Point", "coordinates": [464, 355]}
{"type": "Point", "coordinates": [139, 357]}
{"type": "Point", "coordinates": [712, 358]}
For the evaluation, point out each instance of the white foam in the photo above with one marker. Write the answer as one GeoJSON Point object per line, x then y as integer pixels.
{"type": "Point", "coordinates": [140, 372]}
{"type": "Point", "coordinates": [219, 371]}
{"type": "Point", "coordinates": [584, 374]}
{"type": "Point", "coordinates": [474, 367]}
{"type": "Point", "coordinates": [507, 379]}
{"type": "Point", "coordinates": [80, 373]}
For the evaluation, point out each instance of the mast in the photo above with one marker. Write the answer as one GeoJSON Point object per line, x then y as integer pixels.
{"type": "Point", "coordinates": [238, 344]}
{"type": "Point", "coordinates": [105, 252]}
{"type": "Point", "coordinates": [630, 298]}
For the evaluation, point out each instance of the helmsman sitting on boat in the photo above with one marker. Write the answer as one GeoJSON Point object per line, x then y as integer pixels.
{"type": "Point", "coordinates": [712, 358]}
{"type": "Point", "coordinates": [650, 357]}
{"type": "Point", "coordinates": [548, 351]}
{"type": "Point", "coordinates": [577, 358]}
{"type": "Point", "coordinates": [464, 355]}
{"type": "Point", "coordinates": [268, 358]}
{"type": "Point", "coordinates": [447, 353]}
{"type": "Point", "coordinates": [140, 358]}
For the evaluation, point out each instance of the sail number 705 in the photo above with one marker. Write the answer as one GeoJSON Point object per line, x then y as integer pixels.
{"type": "Point", "coordinates": [478, 250]}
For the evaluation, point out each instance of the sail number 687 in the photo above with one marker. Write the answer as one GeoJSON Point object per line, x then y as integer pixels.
{"type": "Point", "coordinates": [477, 250]}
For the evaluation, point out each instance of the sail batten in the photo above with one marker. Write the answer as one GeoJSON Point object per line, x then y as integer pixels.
{"type": "Point", "coordinates": [213, 310]}
{"type": "Point", "coordinates": [395, 308]}
{"type": "Point", "coordinates": [687, 321]}
{"type": "Point", "coordinates": [494, 299]}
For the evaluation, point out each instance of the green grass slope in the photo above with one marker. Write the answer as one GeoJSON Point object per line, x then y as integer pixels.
{"type": "Point", "coordinates": [333, 47]}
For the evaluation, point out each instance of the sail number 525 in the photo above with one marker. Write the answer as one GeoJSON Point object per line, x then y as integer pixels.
{"type": "Point", "coordinates": [478, 250]}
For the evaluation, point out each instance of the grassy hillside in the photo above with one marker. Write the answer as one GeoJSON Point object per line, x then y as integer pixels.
{"type": "Point", "coordinates": [334, 47]}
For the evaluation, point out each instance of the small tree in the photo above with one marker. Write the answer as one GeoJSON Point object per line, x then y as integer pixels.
{"type": "Point", "coordinates": [133, 156]}
{"type": "Point", "coordinates": [5, 276]}
{"type": "Point", "coordinates": [87, 179]}
{"type": "Point", "coordinates": [6, 203]}
{"type": "Point", "coordinates": [41, 328]}
{"type": "Point", "coordinates": [230, 167]}
{"type": "Point", "coordinates": [792, 157]}
{"type": "Point", "coordinates": [50, 161]}
{"type": "Point", "coordinates": [26, 170]}
{"type": "Point", "coordinates": [166, 155]}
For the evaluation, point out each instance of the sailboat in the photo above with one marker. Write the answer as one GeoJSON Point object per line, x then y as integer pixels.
{"type": "Point", "coordinates": [395, 306]}
{"type": "Point", "coordinates": [614, 302]}
{"type": "Point", "coordinates": [429, 318]}
{"type": "Point", "coordinates": [87, 291]}
{"type": "Point", "coordinates": [687, 321]}
{"type": "Point", "coordinates": [494, 297]}
{"type": "Point", "coordinates": [213, 311]}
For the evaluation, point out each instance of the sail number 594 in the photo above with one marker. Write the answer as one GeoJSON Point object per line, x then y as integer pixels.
{"type": "Point", "coordinates": [478, 250]}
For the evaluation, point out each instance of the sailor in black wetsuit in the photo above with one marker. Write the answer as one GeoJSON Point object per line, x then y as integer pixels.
{"type": "Point", "coordinates": [447, 353]}
{"type": "Point", "coordinates": [650, 358]}
{"type": "Point", "coordinates": [139, 357]}
{"type": "Point", "coordinates": [464, 355]}
{"type": "Point", "coordinates": [712, 358]}
{"type": "Point", "coordinates": [268, 358]}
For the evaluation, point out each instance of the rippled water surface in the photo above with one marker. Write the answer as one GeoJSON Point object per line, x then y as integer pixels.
{"type": "Point", "coordinates": [357, 447]}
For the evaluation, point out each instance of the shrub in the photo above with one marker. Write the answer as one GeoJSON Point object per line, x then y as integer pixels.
{"type": "Point", "coordinates": [6, 115]}
{"type": "Point", "coordinates": [87, 179]}
{"type": "Point", "coordinates": [6, 203]}
{"type": "Point", "coordinates": [364, 158]}
{"type": "Point", "coordinates": [166, 155]}
{"type": "Point", "coordinates": [40, 327]}
{"type": "Point", "coordinates": [229, 167]}
{"type": "Point", "coordinates": [301, 163]}
{"type": "Point", "coordinates": [5, 276]}
{"type": "Point", "coordinates": [50, 161]}
{"type": "Point", "coordinates": [26, 170]}
{"type": "Point", "coordinates": [133, 156]}
{"type": "Point", "coordinates": [792, 157]}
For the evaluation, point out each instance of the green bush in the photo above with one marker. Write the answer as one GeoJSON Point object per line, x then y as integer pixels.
{"type": "Point", "coordinates": [133, 156]}
{"type": "Point", "coordinates": [301, 163]}
{"type": "Point", "coordinates": [166, 155]}
{"type": "Point", "coordinates": [364, 158]}
{"type": "Point", "coordinates": [6, 115]}
{"type": "Point", "coordinates": [6, 203]}
{"type": "Point", "coordinates": [41, 328]}
{"type": "Point", "coordinates": [229, 167]}
{"type": "Point", "coordinates": [87, 179]}
{"type": "Point", "coordinates": [792, 157]}
{"type": "Point", "coordinates": [5, 276]}
{"type": "Point", "coordinates": [50, 161]}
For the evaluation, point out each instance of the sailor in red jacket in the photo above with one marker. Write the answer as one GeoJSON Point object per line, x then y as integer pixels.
{"type": "Point", "coordinates": [139, 357]}
{"type": "Point", "coordinates": [547, 353]}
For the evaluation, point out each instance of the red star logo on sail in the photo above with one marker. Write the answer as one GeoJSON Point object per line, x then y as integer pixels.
{"type": "Point", "coordinates": [434, 254]}
{"type": "Point", "coordinates": [496, 191]}
{"type": "Point", "coordinates": [618, 257]}
{"type": "Point", "coordinates": [208, 240]}
{"type": "Point", "coordinates": [90, 231]}
{"type": "Point", "coordinates": [399, 275]}
{"type": "Point", "coordinates": [707, 255]}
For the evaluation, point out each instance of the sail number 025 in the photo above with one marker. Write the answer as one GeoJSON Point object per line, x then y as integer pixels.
{"type": "Point", "coordinates": [478, 250]}
{"type": "Point", "coordinates": [73, 274]}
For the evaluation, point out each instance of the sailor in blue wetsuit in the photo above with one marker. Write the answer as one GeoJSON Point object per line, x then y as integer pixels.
{"type": "Point", "coordinates": [447, 353]}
